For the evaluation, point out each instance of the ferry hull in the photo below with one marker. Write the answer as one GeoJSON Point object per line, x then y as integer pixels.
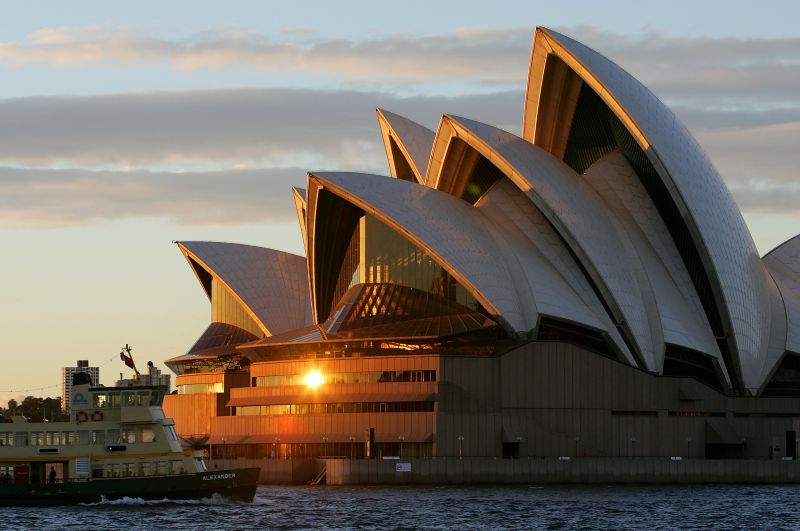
{"type": "Point", "coordinates": [237, 483]}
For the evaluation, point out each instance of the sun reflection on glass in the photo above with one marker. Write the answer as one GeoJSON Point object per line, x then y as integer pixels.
{"type": "Point", "coordinates": [314, 379]}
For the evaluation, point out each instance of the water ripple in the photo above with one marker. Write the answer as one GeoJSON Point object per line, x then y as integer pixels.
{"type": "Point", "coordinates": [536, 507]}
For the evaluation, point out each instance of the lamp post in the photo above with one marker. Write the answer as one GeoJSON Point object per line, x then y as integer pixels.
{"type": "Point", "coordinates": [460, 446]}
{"type": "Point", "coordinates": [402, 439]}
{"type": "Point", "coordinates": [352, 447]}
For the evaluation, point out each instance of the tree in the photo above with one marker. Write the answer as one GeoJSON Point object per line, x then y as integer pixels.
{"type": "Point", "coordinates": [38, 408]}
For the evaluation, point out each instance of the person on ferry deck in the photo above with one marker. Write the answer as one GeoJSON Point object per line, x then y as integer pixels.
{"type": "Point", "coordinates": [51, 478]}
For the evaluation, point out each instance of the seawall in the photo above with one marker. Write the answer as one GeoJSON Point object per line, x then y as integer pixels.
{"type": "Point", "coordinates": [479, 470]}
{"type": "Point", "coordinates": [655, 470]}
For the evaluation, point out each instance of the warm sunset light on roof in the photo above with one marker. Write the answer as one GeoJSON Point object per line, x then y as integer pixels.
{"type": "Point", "coordinates": [314, 379]}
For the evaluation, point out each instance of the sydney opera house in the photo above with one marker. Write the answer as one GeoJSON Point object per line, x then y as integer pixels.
{"type": "Point", "coordinates": [586, 288]}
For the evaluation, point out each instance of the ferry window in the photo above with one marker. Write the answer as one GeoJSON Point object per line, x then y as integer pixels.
{"type": "Point", "coordinates": [146, 435]}
{"type": "Point", "coordinates": [20, 439]}
{"type": "Point", "coordinates": [6, 438]}
{"type": "Point", "coordinates": [113, 437]}
{"type": "Point", "coordinates": [171, 433]}
{"type": "Point", "coordinates": [148, 469]}
{"type": "Point", "coordinates": [52, 438]}
{"type": "Point", "coordinates": [113, 400]}
{"type": "Point", "coordinates": [83, 437]}
{"type": "Point", "coordinates": [68, 437]}
{"type": "Point", "coordinates": [143, 398]}
{"type": "Point", "coordinates": [37, 438]}
{"type": "Point", "coordinates": [129, 436]}
{"type": "Point", "coordinates": [98, 437]}
{"type": "Point", "coordinates": [162, 468]}
{"type": "Point", "coordinates": [128, 399]}
{"type": "Point", "coordinates": [176, 467]}
{"type": "Point", "coordinates": [201, 465]}
{"type": "Point", "coordinates": [156, 398]}
{"type": "Point", "coordinates": [100, 400]}
{"type": "Point", "coordinates": [130, 469]}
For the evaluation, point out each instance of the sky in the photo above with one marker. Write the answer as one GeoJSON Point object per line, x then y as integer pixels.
{"type": "Point", "coordinates": [127, 126]}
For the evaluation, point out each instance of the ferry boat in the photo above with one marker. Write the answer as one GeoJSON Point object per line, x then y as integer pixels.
{"type": "Point", "coordinates": [116, 444]}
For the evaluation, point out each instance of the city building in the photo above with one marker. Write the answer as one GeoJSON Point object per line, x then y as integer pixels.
{"type": "Point", "coordinates": [66, 380]}
{"type": "Point", "coordinates": [588, 288]}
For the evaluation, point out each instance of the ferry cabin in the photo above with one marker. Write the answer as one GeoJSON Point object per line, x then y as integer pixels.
{"type": "Point", "coordinates": [112, 433]}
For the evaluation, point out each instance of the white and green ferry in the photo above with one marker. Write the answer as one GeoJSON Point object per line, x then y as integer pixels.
{"type": "Point", "coordinates": [116, 444]}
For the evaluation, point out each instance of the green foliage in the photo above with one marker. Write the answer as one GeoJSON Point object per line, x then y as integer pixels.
{"type": "Point", "coordinates": [37, 408]}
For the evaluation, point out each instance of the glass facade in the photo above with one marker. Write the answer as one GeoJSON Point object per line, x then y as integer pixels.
{"type": "Point", "coordinates": [337, 407]}
{"type": "Point", "coordinates": [201, 388]}
{"type": "Point", "coordinates": [388, 257]}
{"type": "Point", "coordinates": [348, 378]}
{"type": "Point", "coordinates": [226, 309]}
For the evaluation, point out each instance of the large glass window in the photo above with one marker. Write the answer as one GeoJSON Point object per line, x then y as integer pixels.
{"type": "Point", "coordinates": [348, 378]}
{"type": "Point", "coordinates": [388, 257]}
{"type": "Point", "coordinates": [226, 309]}
{"type": "Point", "coordinates": [336, 407]}
{"type": "Point", "coordinates": [201, 388]}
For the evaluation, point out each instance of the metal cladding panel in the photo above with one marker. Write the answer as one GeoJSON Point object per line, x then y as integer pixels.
{"type": "Point", "coordinates": [451, 231]}
{"type": "Point", "coordinates": [412, 138]}
{"type": "Point", "coordinates": [558, 287]}
{"type": "Point", "coordinates": [783, 263]}
{"type": "Point", "coordinates": [681, 314]}
{"type": "Point", "coordinates": [273, 285]}
{"type": "Point", "coordinates": [719, 229]}
{"type": "Point", "coordinates": [580, 216]}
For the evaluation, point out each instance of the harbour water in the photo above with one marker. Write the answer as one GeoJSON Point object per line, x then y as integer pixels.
{"type": "Point", "coordinates": [518, 507]}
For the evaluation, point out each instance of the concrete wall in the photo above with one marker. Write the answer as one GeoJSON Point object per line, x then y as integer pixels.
{"type": "Point", "coordinates": [557, 471]}
{"type": "Point", "coordinates": [546, 395]}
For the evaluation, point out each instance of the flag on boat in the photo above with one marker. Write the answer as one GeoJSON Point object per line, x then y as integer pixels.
{"type": "Point", "coordinates": [127, 358]}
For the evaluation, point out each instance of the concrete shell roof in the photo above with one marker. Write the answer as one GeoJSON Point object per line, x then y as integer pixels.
{"type": "Point", "coordinates": [578, 214]}
{"type": "Point", "coordinates": [546, 268]}
{"type": "Point", "coordinates": [413, 139]}
{"type": "Point", "coordinates": [272, 286]}
{"type": "Point", "coordinates": [682, 318]}
{"type": "Point", "coordinates": [453, 233]}
{"type": "Point", "coordinates": [783, 263]}
{"type": "Point", "coordinates": [718, 228]}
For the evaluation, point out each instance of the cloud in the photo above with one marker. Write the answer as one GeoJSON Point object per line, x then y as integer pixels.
{"type": "Point", "coordinates": [738, 96]}
{"type": "Point", "coordinates": [760, 164]}
{"type": "Point", "coordinates": [51, 198]}
{"type": "Point", "coordinates": [712, 71]}
{"type": "Point", "coordinates": [458, 54]}
{"type": "Point", "coordinates": [257, 127]}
